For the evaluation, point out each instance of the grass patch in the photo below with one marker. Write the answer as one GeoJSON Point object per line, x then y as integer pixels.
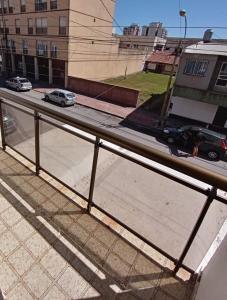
{"type": "Point", "coordinates": [147, 83]}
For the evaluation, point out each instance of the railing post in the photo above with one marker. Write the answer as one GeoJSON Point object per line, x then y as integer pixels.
{"type": "Point", "coordinates": [93, 174]}
{"type": "Point", "coordinates": [211, 196]}
{"type": "Point", "coordinates": [2, 127]}
{"type": "Point", "coordinates": [37, 143]}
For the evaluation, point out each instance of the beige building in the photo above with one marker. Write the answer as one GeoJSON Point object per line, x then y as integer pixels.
{"type": "Point", "coordinates": [53, 39]}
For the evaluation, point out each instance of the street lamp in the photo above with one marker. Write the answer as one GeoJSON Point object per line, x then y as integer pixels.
{"type": "Point", "coordinates": [166, 101]}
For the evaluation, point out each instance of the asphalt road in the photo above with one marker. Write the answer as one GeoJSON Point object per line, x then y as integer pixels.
{"type": "Point", "coordinates": [113, 124]}
{"type": "Point", "coordinates": [161, 210]}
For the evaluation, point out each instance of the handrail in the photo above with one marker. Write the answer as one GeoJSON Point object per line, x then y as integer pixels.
{"type": "Point", "coordinates": [209, 177]}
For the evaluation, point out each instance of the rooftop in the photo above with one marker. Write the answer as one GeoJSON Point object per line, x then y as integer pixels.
{"type": "Point", "coordinates": [207, 48]}
{"type": "Point", "coordinates": [162, 58]}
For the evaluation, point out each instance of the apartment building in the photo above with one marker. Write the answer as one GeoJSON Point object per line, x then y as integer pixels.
{"type": "Point", "coordinates": [53, 39]}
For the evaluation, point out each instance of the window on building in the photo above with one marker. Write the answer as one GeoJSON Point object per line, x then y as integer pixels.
{"type": "Point", "coordinates": [222, 77]}
{"type": "Point", "coordinates": [23, 5]}
{"type": "Point", "coordinates": [40, 5]}
{"type": "Point", "coordinates": [11, 6]}
{"type": "Point", "coordinates": [196, 67]}
{"type": "Point", "coordinates": [1, 26]}
{"type": "Point", "coordinates": [54, 51]}
{"type": "Point", "coordinates": [6, 26]}
{"type": "Point", "coordinates": [41, 26]}
{"type": "Point", "coordinates": [30, 26]}
{"type": "Point", "coordinates": [42, 48]}
{"type": "Point", "coordinates": [1, 10]}
{"type": "Point", "coordinates": [25, 47]}
{"type": "Point", "coordinates": [11, 45]}
{"type": "Point", "coordinates": [5, 6]}
{"type": "Point", "coordinates": [17, 25]}
{"type": "Point", "coordinates": [53, 4]}
{"type": "Point", "coordinates": [62, 25]}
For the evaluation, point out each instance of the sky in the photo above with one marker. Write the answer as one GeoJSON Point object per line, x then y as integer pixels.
{"type": "Point", "coordinates": [200, 13]}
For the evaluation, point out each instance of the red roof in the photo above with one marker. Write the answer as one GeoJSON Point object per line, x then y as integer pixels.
{"type": "Point", "coordinates": [162, 58]}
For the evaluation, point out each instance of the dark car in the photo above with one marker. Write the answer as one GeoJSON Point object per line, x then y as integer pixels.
{"type": "Point", "coordinates": [213, 145]}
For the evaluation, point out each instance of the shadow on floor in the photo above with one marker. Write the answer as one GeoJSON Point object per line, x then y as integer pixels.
{"type": "Point", "coordinates": [127, 273]}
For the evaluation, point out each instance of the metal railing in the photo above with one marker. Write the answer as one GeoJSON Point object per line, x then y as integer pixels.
{"type": "Point", "coordinates": [41, 113]}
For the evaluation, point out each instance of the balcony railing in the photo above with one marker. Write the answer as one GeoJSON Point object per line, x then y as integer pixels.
{"type": "Point", "coordinates": [41, 6]}
{"type": "Point", "coordinates": [62, 30]}
{"type": "Point", "coordinates": [54, 4]}
{"type": "Point", "coordinates": [41, 30]}
{"type": "Point", "coordinates": [30, 30]}
{"type": "Point", "coordinates": [42, 52]}
{"type": "Point", "coordinates": [53, 54]}
{"type": "Point", "coordinates": [166, 202]}
{"type": "Point", "coordinates": [25, 51]}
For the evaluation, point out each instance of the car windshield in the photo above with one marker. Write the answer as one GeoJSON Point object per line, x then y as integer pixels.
{"type": "Point", "coordinates": [70, 95]}
{"type": "Point", "coordinates": [24, 80]}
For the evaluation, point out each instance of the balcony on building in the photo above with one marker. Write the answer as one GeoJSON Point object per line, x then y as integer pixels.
{"type": "Point", "coordinates": [89, 214]}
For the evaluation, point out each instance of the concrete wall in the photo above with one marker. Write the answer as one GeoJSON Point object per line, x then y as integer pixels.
{"type": "Point", "coordinates": [104, 91]}
{"type": "Point", "coordinates": [196, 110]}
{"type": "Point", "coordinates": [197, 82]}
{"type": "Point", "coordinates": [214, 278]}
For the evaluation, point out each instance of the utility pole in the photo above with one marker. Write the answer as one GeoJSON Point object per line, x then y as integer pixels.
{"type": "Point", "coordinates": [166, 101]}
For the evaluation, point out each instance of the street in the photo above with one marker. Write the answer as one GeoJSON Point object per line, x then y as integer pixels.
{"type": "Point", "coordinates": [161, 210]}
{"type": "Point", "coordinates": [113, 124]}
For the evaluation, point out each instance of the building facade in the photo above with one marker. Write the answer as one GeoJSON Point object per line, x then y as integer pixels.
{"type": "Point", "coordinates": [154, 29]}
{"type": "Point", "coordinates": [53, 39]}
{"type": "Point", "coordinates": [200, 91]}
{"type": "Point", "coordinates": [133, 29]}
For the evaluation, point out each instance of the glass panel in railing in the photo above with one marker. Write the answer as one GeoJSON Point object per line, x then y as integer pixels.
{"type": "Point", "coordinates": [209, 236]}
{"type": "Point", "coordinates": [159, 209]}
{"type": "Point", "coordinates": [66, 156]}
{"type": "Point", "coordinates": [19, 131]}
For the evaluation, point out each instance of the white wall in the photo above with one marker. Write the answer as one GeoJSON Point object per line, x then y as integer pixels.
{"type": "Point", "coordinates": [196, 110]}
{"type": "Point", "coordinates": [213, 285]}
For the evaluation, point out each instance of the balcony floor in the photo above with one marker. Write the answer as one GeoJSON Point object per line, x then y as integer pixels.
{"type": "Point", "coordinates": [50, 248]}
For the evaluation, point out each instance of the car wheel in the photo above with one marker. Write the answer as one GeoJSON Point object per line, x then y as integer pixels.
{"type": "Point", "coordinates": [170, 140]}
{"type": "Point", "coordinates": [17, 89]}
{"type": "Point", "coordinates": [46, 98]}
{"type": "Point", "coordinates": [62, 103]}
{"type": "Point", "coordinates": [213, 155]}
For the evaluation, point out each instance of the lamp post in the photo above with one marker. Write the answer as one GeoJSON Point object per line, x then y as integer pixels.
{"type": "Point", "coordinates": [166, 101]}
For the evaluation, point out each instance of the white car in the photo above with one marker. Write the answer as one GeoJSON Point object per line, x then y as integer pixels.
{"type": "Point", "coordinates": [61, 97]}
{"type": "Point", "coordinates": [19, 84]}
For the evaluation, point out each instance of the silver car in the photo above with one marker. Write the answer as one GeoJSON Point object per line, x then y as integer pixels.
{"type": "Point", "coordinates": [19, 84]}
{"type": "Point", "coordinates": [61, 97]}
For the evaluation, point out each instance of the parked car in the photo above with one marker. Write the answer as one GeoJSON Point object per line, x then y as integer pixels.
{"type": "Point", "coordinates": [214, 144]}
{"type": "Point", "coordinates": [9, 123]}
{"type": "Point", "coordinates": [19, 84]}
{"type": "Point", "coordinates": [61, 97]}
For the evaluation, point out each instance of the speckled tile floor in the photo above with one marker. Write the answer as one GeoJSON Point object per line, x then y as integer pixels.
{"type": "Point", "coordinates": [50, 248]}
